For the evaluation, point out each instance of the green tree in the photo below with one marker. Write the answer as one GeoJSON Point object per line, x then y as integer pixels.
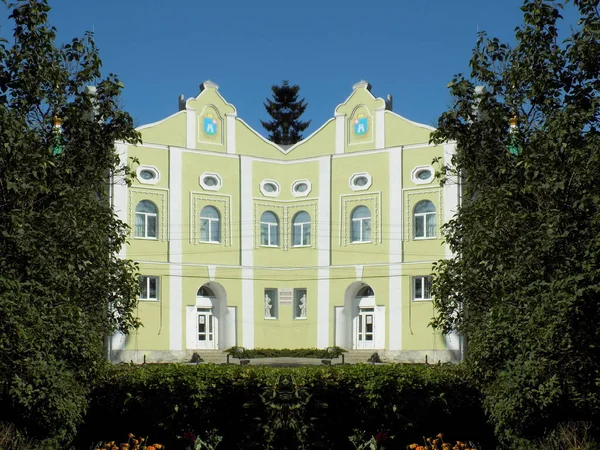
{"type": "Point", "coordinates": [286, 110]}
{"type": "Point", "coordinates": [523, 286]}
{"type": "Point", "coordinates": [62, 287]}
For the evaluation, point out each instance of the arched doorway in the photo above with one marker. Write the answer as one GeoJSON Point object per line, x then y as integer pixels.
{"type": "Point", "coordinates": [211, 324]}
{"type": "Point", "coordinates": [360, 323]}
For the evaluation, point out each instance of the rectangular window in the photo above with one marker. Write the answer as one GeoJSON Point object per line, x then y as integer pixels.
{"type": "Point", "coordinates": [271, 304]}
{"type": "Point", "coordinates": [422, 288]}
{"type": "Point", "coordinates": [149, 288]}
{"type": "Point", "coordinates": [300, 303]}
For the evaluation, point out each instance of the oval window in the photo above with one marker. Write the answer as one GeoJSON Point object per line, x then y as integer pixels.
{"type": "Point", "coordinates": [301, 187]}
{"type": "Point", "coordinates": [147, 174]}
{"type": "Point", "coordinates": [424, 174]}
{"type": "Point", "coordinates": [210, 181]}
{"type": "Point", "coordinates": [270, 187]}
{"type": "Point", "coordinates": [361, 181]}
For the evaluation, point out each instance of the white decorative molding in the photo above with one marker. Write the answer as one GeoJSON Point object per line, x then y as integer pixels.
{"type": "Point", "coordinates": [222, 202]}
{"type": "Point", "coordinates": [207, 187]}
{"type": "Point", "coordinates": [451, 192]}
{"type": "Point", "coordinates": [323, 322]}
{"type": "Point", "coordinates": [324, 225]}
{"type": "Point", "coordinates": [175, 306]}
{"type": "Point", "coordinates": [151, 169]}
{"type": "Point", "coordinates": [149, 194]}
{"type": "Point", "coordinates": [175, 206]}
{"type": "Point", "coordinates": [411, 198]}
{"type": "Point", "coordinates": [348, 203]}
{"type": "Point", "coordinates": [265, 192]}
{"type": "Point", "coordinates": [297, 183]}
{"type": "Point", "coordinates": [414, 175]}
{"type": "Point", "coordinates": [355, 177]}
{"type": "Point", "coordinates": [359, 272]}
{"type": "Point", "coordinates": [212, 272]}
{"type": "Point", "coordinates": [395, 307]}
{"type": "Point", "coordinates": [284, 211]}
{"type": "Point", "coordinates": [246, 216]}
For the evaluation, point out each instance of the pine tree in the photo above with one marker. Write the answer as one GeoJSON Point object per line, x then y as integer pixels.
{"type": "Point", "coordinates": [285, 109]}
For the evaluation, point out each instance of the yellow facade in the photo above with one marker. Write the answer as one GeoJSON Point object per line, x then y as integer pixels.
{"type": "Point", "coordinates": [327, 242]}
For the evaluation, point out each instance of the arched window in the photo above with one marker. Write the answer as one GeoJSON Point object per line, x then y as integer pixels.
{"type": "Point", "coordinates": [301, 229]}
{"type": "Point", "coordinates": [424, 217]}
{"type": "Point", "coordinates": [361, 224]}
{"type": "Point", "coordinates": [269, 229]}
{"type": "Point", "coordinates": [146, 220]}
{"type": "Point", "coordinates": [210, 228]}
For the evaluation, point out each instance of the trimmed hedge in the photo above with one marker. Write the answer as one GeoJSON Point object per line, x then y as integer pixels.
{"type": "Point", "coordinates": [245, 353]}
{"type": "Point", "coordinates": [263, 407]}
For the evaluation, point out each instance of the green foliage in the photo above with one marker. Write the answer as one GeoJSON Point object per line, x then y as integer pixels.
{"type": "Point", "coordinates": [524, 285]}
{"type": "Point", "coordinates": [59, 272]}
{"type": "Point", "coordinates": [305, 407]}
{"type": "Point", "coordinates": [285, 109]}
{"type": "Point", "coordinates": [245, 353]}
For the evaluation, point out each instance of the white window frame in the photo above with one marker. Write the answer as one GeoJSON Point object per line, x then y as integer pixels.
{"type": "Point", "coordinates": [146, 279]}
{"type": "Point", "coordinates": [266, 193]}
{"type": "Point", "coordinates": [152, 169]}
{"type": "Point", "coordinates": [359, 221]}
{"type": "Point", "coordinates": [415, 172]}
{"type": "Point", "coordinates": [301, 227]}
{"type": "Point", "coordinates": [423, 279]}
{"type": "Point", "coordinates": [210, 225]}
{"type": "Point", "coordinates": [269, 226]}
{"type": "Point", "coordinates": [205, 186]}
{"type": "Point", "coordinates": [145, 215]}
{"type": "Point", "coordinates": [296, 183]}
{"type": "Point", "coordinates": [424, 218]}
{"type": "Point", "coordinates": [353, 178]}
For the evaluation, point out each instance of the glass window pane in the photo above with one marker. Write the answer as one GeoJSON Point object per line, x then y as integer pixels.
{"type": "Point", "coordinates": [209, 212]}
{"type": "Point", "coordinates": [431, 225]}
{"type": "Point", "coordinates": [204, 230]}
{"type": "Point", "coordinates": [152, 281]}
{"type": "Point", "coordinates": [361, 211]}
{"type": "Point", "coordinates": [268, 217]}
{"type": "Point", "coordinates": [143, 287]}
{"type": "Point", "coordinates": [424, 206]}
{"type": "Point", "coordinates": [418, 288]}
{"type": "Point", "coordinates": [151, 226]}
{"type": "Point", "coordinates": [139, 225]}
{"type": "Point", "coordinates": [366, 230]}
{"type": "Point", "coordinates": [264, 234]}
{"type": "Point", "coordinates": [301, 217]}
{"type": "Point", "coordinates": [355, 231]}
{"type": "Point", "coordinates": [419, 226]}
{"type": "Point", "coordinates": [146, 206]}
{"type": "Point", "coordinates": [306, 235]}
{"type": "Point", "coordinates": [427, 290]}
{"type": "Point", "coordinates": [274, 235]}
{"type": "Point", "coordinates": [297, 231]}
{"type": "Point", "coordinates": [215, 231]}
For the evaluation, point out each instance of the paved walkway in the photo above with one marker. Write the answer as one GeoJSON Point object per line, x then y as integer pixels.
{"type": "Point", "coordinates": [288, 362]}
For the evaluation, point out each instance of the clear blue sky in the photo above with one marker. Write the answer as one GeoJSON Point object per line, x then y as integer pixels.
{"type": "Point", "coordinates": [161, 49]}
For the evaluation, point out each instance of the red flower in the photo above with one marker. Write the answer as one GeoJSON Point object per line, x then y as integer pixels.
{"type": "Point", "coordinates": [189, 436]}
{"type": "Point", "coordinates": [381, 436]}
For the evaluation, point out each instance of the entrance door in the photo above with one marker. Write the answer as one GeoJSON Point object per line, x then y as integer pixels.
{"type": "Point", "coordinates": [206, 329]}
{"type": "Point", "coordinates": [365, 328]}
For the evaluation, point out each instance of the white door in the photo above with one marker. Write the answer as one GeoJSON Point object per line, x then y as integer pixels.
{"type": "Point", "coordinates": [206, 331]}
{"type": "Point", "coordinates": [365, 328]}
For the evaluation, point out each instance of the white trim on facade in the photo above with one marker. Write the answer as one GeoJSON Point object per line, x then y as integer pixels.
{"type": "Point", "coordinates": [395, 250]}
{"type": "Point", "coordinates": [207, 187]}
{"type": "Point", "coordinates": [296, 183]}
{"type": "Point", "coordinates": [151, 169]}
{"type": "Point", "coordinates": [380, 128]}
{"type": "Point", "coordinates": [265, 192]}
{"type": "Point", "coordinates": [175, 249]}
{"type": "Point", "coordinates": [324, 252]}
{"type": "Point", "coordinates": [247, 251]}
{"type": "Point", "coordinates": [414, 174]}
{"type": "Point", "coordinates": [451, 193]}
{"type": "Point", "coordinates": [231, 143]}
{"type": "Point", "coordinates": [119, 193]}
{"type": "Point", "coordinates": [355, 177]}
{"type": "Point", "coordinates": [190, 141]}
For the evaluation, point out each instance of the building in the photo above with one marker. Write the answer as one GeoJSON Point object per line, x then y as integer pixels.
{"type": "Point", "coordinates": [326, 242]}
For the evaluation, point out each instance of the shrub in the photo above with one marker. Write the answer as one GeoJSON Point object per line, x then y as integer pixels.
{"type": "Point", "coordinates": [288, 407]}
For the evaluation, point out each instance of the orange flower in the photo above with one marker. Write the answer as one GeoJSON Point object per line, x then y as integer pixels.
{"type": "Point", "coordinates": [412, 446]}
{"type": "Point", "coordinates": [151, 447]}
{"type": "Point", "coordinates": [440, 436]}
{"type": "Point", "coordinates": [130, 435]}
{"type": "Point", "coordinates": [158, 446]}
